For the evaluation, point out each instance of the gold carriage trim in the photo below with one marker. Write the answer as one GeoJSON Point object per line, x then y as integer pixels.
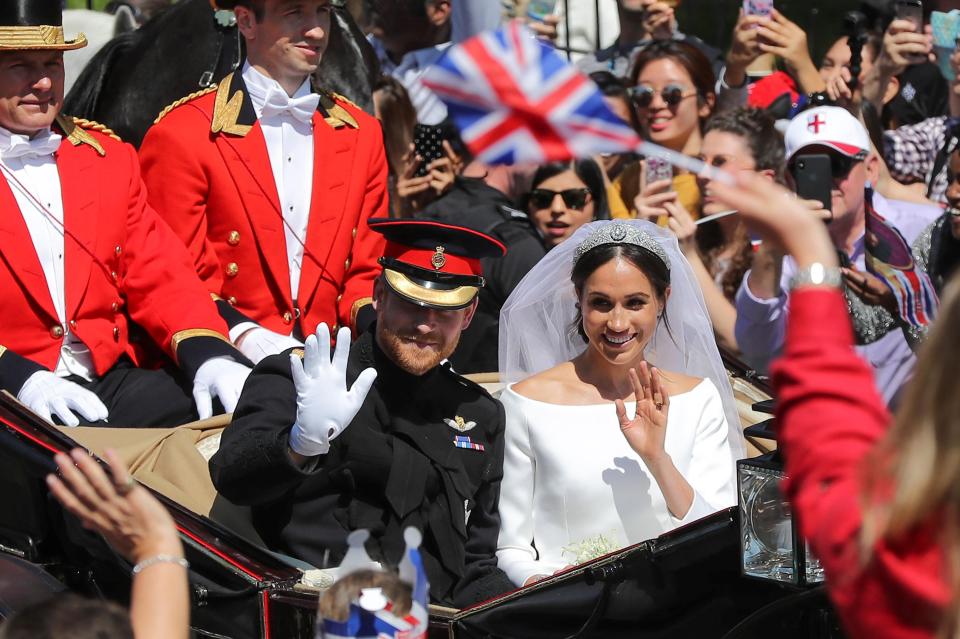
{"type": "Point", "coordinates": [184, 100]}
{"type": "Point", "coordinates": [38, 37]}
{"type": "Point", "coordinates": [181, 336]}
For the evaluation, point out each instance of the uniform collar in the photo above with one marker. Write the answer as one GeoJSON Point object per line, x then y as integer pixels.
{"type": "Point", "coordinates": [258, 86]}
{"type": "Point", "coordinates": [234, 112]}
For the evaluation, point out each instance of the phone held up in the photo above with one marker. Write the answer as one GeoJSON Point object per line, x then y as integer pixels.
{"type": "Point", "coordinates": [428, 144]}
{"type": "Point", "coordinates": [540, 9]}
{"type": "Point", "coordinates": [911, 11]}
{"type": "Point", "coordinates": [757, 8]}
{"type": "Point", "coordinates": [813, 178]}
{"type": "Point", "coordinates": [656, 169]}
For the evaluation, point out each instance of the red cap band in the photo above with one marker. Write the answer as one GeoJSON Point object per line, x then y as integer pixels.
{"type": "Point", "coordinates": [437, 260]}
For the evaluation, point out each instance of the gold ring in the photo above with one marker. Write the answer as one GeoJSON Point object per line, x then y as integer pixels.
{"type": "Point", "coordinates": [126, 486]}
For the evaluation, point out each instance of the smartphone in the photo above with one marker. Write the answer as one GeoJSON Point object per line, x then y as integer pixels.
{"type": "Point", "coordinates": [946, 39]}
{"type": "Point", "coordinates": [428, 144]}
{"type": "Point", "coordinates": [813, 178]}
{"type": "Point", "coordinates": [757, 8]}
{"type": "Point", "coordinates": [656, 169]}
{"type": "Point", "coordinates": [540, 9]}
{"type": "Point", "coordinates": [912, 11]}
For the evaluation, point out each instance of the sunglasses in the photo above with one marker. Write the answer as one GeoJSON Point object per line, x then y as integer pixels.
{"type": "Point", "coordinates": [573, 198]}
{"type": "Point", "coordinates": [840, 165]}
{"type": "Point", "coordinates": [672, 95]}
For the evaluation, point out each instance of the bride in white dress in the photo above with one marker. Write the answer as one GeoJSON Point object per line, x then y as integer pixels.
{"type": "Point", "coordinates": [624, 425]}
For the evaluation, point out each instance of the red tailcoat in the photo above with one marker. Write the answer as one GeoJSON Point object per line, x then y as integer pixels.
{"type": "Point", "coordinates": [208, 174]}
{"type": "Point", "coordinates": [121, 260]}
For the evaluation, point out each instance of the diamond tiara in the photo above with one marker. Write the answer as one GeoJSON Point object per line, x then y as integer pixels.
{"type": "Point", "coordinates": [620, 233]}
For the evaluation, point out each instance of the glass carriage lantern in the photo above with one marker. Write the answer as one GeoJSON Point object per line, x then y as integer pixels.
{"type": "Point", "coordinates": [771, 545]}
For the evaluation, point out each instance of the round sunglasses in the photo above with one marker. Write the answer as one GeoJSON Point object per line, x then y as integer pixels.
{"type": "Point", "coordinates": [573, 198]}
{"type": "Point", "coordinates": [672, 95]}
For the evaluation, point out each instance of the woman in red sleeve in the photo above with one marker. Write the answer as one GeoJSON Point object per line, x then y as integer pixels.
{"type": "Point", "coordinates": [877, 497]}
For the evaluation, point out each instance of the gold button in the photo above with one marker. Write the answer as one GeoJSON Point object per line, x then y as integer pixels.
{"type": "Point", "coordinates": [73, 323]}
{"type": "Point", "coordinates": [118, 250]}
{"type": "Point", "coordinates": [232, 301]}
{"type": "Point", "coordinates": [115, 307]}
{"type": "Point", "coordinates": [113, 274]}
{"type": "Point", "coordinates": [339, 297]}
{"type": "Point", "coordinates": [56, 332]}
{"type": "Point", "coordinates": [234, 238]}
{"type": "Point", "coordinates": [353, 233]}
{"type": "Point", "coordinates": [346, 265]}
{"type": "Point", "coordinates": [232, 269]}
{"type": "Point", "coordinates": [287, 318]}
{"type": "Point", "coordinates": [116, 334]}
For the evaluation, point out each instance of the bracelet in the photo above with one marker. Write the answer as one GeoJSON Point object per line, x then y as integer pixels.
{"type": "Point", "coordinates": [817, 275]}
{"type": "Point", "coordinates": [160, 559]}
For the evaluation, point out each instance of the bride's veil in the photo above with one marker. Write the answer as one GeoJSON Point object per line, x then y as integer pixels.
{"type": "Point", "coordinates": [538, 330]}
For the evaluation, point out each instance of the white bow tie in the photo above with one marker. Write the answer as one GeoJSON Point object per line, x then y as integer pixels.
{"type": "Point", "coordinates": [277, 103]}
{"type": "Point", "coordinates": [20, 146]}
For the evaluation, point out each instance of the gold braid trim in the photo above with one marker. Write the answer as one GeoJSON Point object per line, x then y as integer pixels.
{"type": "Point", "coordinates": [184, 100]}
{"type": "Point", "coordinates": [337, 116]}
{"type": "Point", "coordinates": [343, 98]}
{"type": "Point", "coordinates": [96, 126]}
{"type": "Point", "coordinates": [298, 352]}
{"type": "Point", "coordinates": [355, 310]}
{"type": "Point", "coordinates": [77, 136]}
{"type": "Point", "coordinates": [181, 336]}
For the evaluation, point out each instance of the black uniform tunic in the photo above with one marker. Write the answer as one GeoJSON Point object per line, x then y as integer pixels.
{"type": "Point", "coordinates": [394, 466]}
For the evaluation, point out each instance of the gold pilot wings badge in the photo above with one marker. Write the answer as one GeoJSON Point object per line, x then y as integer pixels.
{"type": "Point", "coordinates": [458, 424]}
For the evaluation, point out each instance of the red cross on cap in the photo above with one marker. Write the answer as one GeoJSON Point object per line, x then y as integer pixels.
{"type": "Point", "coordinates": [814, 124]}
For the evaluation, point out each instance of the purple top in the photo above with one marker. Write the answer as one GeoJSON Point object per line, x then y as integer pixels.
{"type": "Point", "coordinates": [761, 323]}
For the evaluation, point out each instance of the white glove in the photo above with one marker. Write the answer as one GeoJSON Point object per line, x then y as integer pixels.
{"type": "Point", "coordinates": [324, 405]}
{"type": "Point", "coordinates": [218, 377]}
{"type": "Point", "coordinates": [260, 342]}
{"type": "Point", "coordinates": [45, 393]}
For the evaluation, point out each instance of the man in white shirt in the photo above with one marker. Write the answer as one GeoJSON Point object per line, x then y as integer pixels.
{"type": "Point", "coordinates": [269, 183]}
{"type": "Point", "coordinates": [82, 255]}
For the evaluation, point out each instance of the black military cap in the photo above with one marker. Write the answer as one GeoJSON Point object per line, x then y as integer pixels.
{"type": "Point", "coordinates": [34, 25]}
{"type": "Point", "coordinates": [434, 264]}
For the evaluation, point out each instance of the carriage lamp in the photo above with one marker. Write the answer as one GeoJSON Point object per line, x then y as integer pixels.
{"type": "Point", "coordinates": [771, 545]}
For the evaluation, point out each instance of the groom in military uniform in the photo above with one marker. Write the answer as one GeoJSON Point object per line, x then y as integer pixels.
{"type": "Point", "coordinates": [424, 447]}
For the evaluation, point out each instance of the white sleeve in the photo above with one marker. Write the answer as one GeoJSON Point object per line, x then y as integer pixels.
{"type": "Point", "coordinates": [712, 472]}
{"type": "Point", "coordinates": [516, 555]}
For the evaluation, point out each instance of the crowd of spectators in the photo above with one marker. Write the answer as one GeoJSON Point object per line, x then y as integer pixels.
{"type": "Point", "coordinates": [782, 279]}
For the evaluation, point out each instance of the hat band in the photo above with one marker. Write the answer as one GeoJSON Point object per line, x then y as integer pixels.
{"type": "Point", "coordinates": [437, 260]}
{"type": "Point", "coordinates": [38, 37]}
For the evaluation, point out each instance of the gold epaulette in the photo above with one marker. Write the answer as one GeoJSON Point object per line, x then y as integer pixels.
{"type": "Point", "coordinates": [184, 100]}
{"type": "Point", "coordinates": [96, 126]}
{"type": "Point", "coordinates": [337, 117]}
{"type": "Point", "coordinates": [343, 98]}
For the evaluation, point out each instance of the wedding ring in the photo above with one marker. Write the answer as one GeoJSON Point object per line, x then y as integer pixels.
{"type": "Point", "coordinates": [126, 486]}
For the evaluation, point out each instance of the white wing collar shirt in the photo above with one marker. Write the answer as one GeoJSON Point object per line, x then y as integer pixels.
{"type": "Point", "coordinates": [30, 170]}
{"type": "Point", "coordinates": [288, 130]}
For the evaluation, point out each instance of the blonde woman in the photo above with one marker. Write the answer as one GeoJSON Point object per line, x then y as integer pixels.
{"type": "Point", "coordinates": [878, 505]}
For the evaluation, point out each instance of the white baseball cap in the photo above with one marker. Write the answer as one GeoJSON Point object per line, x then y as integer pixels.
{"type": "Point", "coordinates": [828, 126]}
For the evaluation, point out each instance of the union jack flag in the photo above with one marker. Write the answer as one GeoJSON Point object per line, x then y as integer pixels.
{"type": "Point", "coordinates": [515, 99]}
{"type": "Point", "coordinates": [888, 256]}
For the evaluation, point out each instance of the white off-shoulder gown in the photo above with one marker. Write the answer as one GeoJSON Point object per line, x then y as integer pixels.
{"type": "Point", "coordinates": [569, 477]}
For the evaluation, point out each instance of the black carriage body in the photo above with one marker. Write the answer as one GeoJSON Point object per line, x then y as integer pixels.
{"type": "Point", "coordinates": [686, 583]}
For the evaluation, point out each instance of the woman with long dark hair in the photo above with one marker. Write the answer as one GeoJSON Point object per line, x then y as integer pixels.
{"type": "Point", "coordinates": [563, 197]}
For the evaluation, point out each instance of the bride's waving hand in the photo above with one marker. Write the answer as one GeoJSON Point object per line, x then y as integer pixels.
{"type": "Point", "coordinates": [646, 431]}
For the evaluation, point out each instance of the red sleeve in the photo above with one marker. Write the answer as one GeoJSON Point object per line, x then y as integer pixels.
{"type": "Point", "coordinates": [367, 246]}
{"type": "Point", "coordinates": [830, 417]}
{"type": "Point", "coordinates": [161, 287]}
{"type": "Point", "coordinates": [178, 188]}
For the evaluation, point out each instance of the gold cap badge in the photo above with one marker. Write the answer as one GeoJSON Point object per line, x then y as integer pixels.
{"type": "Point", "coordinates": [438, 260]}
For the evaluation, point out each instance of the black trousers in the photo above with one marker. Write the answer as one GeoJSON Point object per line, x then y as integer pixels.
{"type": "Point", "coordinates": [142, 398]}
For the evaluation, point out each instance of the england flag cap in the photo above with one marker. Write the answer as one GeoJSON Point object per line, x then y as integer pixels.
{"type": "Point", "coordinates": [827, 126]}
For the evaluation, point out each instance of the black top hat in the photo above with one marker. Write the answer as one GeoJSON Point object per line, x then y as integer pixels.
{"type": "Point", "coordinates": [434, 264]}
{"type": "Point", "coordinates": [35, 25]}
